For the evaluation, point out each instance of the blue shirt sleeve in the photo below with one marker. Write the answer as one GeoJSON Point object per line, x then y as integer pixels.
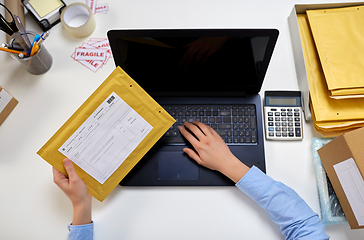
{"type": "Point", "coordinates": [81, 232]}
{"type": "Point", "coordinates": [283, 205]}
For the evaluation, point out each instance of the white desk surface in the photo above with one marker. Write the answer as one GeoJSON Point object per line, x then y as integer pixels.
{"type": "Point", "coordinates": [33, 207]}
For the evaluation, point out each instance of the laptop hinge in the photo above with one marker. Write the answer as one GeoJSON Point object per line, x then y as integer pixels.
{"type": "Point", "coordinates": [199, 94]}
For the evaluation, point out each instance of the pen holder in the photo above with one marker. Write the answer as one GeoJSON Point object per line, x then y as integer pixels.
{"type": "Point", "coordinates": [37, 64]}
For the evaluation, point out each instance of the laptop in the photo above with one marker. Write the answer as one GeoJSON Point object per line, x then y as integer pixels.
{"type": "Point", "coordinates": [209, 75]}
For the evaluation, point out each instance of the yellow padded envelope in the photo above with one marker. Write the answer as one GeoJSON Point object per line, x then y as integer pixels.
{"type": "Point", "coordinates": [325, 109]}
{"type": "Point", "coordinates": [339, 34]}
{"type": "Point", "coordinates": [129, 91]}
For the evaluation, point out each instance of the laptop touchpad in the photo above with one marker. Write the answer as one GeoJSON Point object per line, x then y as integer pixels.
{"type": "Point", "coordinates": [176, 165]}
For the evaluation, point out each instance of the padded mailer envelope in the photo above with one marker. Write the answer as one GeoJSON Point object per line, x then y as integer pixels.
{"type": "Point", "coordinates": [136, 98]}
{"type": "Point", "coordinates": [339, 34]}
{"type": "Point", "coordinates": [325, 108]}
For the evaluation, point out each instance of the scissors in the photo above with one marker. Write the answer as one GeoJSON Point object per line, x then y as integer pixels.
{"type": "Point", "coordinates": [8, 27]}
{"type": "Point", "coordinates": [12, 28]}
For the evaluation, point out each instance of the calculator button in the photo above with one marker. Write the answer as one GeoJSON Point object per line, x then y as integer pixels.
{"type": "Point", "coordinates": [282, 124]}
{"type": "Point", "coordinates": [298, 132]}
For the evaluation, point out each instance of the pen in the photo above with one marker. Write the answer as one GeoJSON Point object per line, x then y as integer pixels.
{"type": "Point", "coordinates": [12, 51]}
{"type": "Point", "coordinates": [36, 38]}
{"type": "Point", "coordinates": [43, 37]}
{"type": "Point", "coordinates": [13, 47]}
{"type": "Point", "coordinates": [35, 48]}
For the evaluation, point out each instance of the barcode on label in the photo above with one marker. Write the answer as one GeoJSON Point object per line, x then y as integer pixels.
{"type": "Point", "coordinates": [110, 99]}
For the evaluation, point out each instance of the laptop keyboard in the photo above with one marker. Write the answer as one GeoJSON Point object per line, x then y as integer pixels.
{"type": "Point", "coordinates": [236, 124]}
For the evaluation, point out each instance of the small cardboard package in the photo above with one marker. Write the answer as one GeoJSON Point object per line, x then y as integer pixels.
{"type": "Point", "coordinates": [343, 160]}
{"type": "Point", "coordinates": [7, 104]}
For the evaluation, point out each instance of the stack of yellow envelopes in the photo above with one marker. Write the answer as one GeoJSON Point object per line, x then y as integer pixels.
{"type": "Point", "coordinates": [333, 47]}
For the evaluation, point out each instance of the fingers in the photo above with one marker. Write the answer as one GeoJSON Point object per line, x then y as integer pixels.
{"type": "Point", "coordinates": [199, 129]}
{"type": "Point", "coordinates": [69, 168]}
{"type": "Point", "coordinates": [59, 179]}
{"type": "Point", "coordinates": [206, 130]}
{"type": "Point", "coordinates": [188, 135]}
{"type": "Point", "coordinates": [192, 154]}
{"type": "Point", "coordinates": [57, 175]}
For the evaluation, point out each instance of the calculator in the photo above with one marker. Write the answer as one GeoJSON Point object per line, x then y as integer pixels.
{"type": "Point", "coordinates": [283, 115]}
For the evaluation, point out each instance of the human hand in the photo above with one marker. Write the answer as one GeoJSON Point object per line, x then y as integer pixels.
{"type": "Point", "coordinates": [211, 151]}
{"type": "Point", "coordinates": [76, 190]}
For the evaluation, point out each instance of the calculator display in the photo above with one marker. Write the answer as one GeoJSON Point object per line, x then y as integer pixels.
{"type": "Point", "coordinates": [282, 101]}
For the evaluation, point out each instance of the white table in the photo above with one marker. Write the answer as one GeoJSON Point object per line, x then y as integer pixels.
{"type": "Point", "coordinates": [33, 207]}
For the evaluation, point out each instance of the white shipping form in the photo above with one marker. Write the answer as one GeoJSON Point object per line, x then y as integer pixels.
{"type": "Point", "coordinates": [102, 143]}
{"type": "Point", "coordinates": [5, 98]}
{"type": "Point", "coordinates": [353, 185]}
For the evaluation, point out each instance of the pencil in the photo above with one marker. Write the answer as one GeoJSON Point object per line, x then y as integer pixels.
{"type": "Point", "coordinates": [34, 49]}
{"type": "Point", "coordinates": [12, 51]}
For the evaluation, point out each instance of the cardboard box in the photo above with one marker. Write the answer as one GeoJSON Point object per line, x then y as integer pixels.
{"type": "Point", "coordinates": [298, 56]}
{"type": "Point", "coordinates": [7, 104]}
{"type": "Point", "coordinates": [340, 157]}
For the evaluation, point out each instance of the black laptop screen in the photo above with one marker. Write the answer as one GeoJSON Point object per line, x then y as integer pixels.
{"type": "Point", "coordinates": [197, 62]}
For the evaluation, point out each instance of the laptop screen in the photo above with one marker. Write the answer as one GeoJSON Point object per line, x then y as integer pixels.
{"type": "Point", "coordinates": [198, 62]}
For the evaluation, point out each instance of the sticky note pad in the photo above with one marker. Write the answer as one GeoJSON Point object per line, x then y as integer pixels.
{"type": "Point", "coordinates": [44, 7]}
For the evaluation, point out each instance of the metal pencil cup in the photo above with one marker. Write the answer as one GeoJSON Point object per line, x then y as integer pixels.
{"type": "Point", "coordinates": [37, 64]}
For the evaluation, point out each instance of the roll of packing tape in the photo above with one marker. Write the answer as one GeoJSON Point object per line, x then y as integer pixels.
{"type": "Point", "coordinates": [78, 20]}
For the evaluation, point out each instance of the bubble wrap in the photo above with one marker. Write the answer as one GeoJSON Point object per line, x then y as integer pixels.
{"type": "Point", "coordinates": [331, 211]}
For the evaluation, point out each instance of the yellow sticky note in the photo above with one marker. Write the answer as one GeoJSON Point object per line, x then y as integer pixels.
{"type": "Point", "coordinates": [70, 137]}
{"type": "Point", "coordinates": [44, 7]}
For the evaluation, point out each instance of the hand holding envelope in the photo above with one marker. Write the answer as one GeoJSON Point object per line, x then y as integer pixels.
{"type": "Point", "coordinates": [89, 136]}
